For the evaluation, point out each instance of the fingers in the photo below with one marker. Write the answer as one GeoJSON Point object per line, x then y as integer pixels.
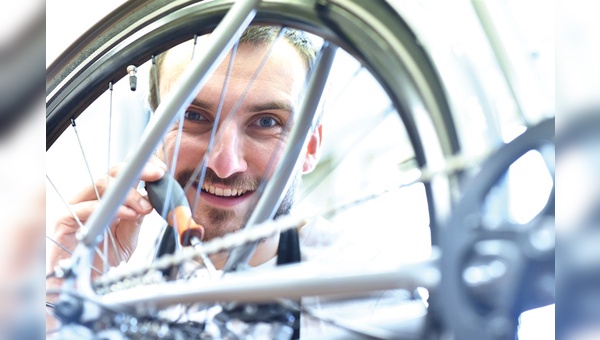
{"type": "Point", "coordinates": [152, 171]}
{"type": "Point", "coordinates": [84, 210]}
{"type": "Point", "coordinates": [159, 163]}
{"type": "Point", "coordinates": [125, 228]}
{"type": "Point", "coordinates": [128, 216]}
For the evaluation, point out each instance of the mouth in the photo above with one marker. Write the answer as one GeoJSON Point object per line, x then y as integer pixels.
{"type": "Point", "coordinates": [221, 192]}
{"type": "Point", "coordinates": [224, 192]}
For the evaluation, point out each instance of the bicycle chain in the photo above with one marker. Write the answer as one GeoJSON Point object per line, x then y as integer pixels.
{"type": "Point", "coordinates": [122, 277]}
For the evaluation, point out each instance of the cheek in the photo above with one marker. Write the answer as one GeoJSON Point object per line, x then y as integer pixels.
{"type": "Point", "coordinates": [191, 149]}
{"type": "Point", "coordinates": [264, 155]}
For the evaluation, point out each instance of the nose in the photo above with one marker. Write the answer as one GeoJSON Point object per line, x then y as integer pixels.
{"type": "Point", "coordinates": [227, 156]}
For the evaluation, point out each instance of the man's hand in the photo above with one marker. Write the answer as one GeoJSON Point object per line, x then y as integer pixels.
{"type": "Point", "coordinates": [126, 226]}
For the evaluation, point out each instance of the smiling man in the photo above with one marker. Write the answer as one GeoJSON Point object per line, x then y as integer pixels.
{"type": "Point", "coordinates": [250, 135]}
{"type": "Point", "coordinates": [253, 115]}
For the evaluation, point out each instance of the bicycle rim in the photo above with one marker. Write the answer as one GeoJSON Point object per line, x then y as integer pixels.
{"type": "Point", "coordinates": [372, 32]}
{"type": "Point", "coordinates": [368, 31]}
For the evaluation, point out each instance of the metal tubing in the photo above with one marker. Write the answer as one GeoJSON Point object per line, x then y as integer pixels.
{"type": "Point", "coordinates": [195, 76]}
{"type": "Point", "coordinates": [280, 181]}
{"type": "Point", "coordinates": [291, 281]}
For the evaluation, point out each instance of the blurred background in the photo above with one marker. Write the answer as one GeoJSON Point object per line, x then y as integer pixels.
{"type": "Point", "coordinates": [22, 183]}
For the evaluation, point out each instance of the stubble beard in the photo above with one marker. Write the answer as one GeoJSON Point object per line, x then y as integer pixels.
{"type": "Point", "coordinates": [218, 222]}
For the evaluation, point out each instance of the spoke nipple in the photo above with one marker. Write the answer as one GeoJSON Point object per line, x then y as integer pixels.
{"type": "Point", "coordinates": [132, 70]}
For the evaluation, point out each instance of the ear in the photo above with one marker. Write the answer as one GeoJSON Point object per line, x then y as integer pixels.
{"type": "Point", "coordinates": [313, 150]}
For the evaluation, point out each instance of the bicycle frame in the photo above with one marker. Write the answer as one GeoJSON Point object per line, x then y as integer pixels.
{"type": "Point", "coordinates": [289, 282]}
{"type": "Point", "coordinates": [223, 39]}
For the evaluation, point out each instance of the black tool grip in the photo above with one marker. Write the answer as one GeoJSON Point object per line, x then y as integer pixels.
{"type": "Point", "coordinates": [177, 210]}
{"type": "Point", "coordinates": [158, 192]}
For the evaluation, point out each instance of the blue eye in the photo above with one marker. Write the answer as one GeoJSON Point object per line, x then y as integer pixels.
{"type": "Point", "coordinates": [266, 122]}
{"type": "Point", "coordinates": [193, 115]}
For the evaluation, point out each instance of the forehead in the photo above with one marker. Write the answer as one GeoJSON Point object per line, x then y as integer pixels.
{"type": "Point", "coordinates": [283, 70]}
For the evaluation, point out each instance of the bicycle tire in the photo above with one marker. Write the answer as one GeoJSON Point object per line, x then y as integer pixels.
{"type": "Point", "coordinates": [373, 32]}
{"type": "Point", "coordinates": [91, 63]}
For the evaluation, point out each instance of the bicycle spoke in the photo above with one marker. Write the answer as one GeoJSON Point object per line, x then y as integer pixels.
{"type": "Point", "coordinates": [265, 208]}
{"type": "Point", "coordinates": [338, 94]}
{"type": "Point", "coordinates": [156, 95]}
{"type": "Point", "coordinates": [235, 108]}
{"type": "Point", "coordinates": [200, 170]}
{"type": "Point", "coordinates": [59, 245]}
{"type": "Point", "coordinates": [154, 71]}
{"type": "Point", "coordinates": [110, 113]}
{"type": "Point", "coordinates": [172, 166]}
{"type": "Point", "coordinates": [194, 47]}
{"type": "Point", "coordinates": [215, 136]}
{"type": "Point", "coordinates": [203, 164]}
{"type": "Point", "coordinates": [188, 264]}
{"type": "Point", "coordinates": [263, 230]}
{"type": "Point", "coordinates": [108, 234]}
{"type": "Point", "coordinates": [83, 153]}
{"type": "Point", "coordinates": [87, 166]}
{"type": "Point", "coordinates": [77, 220]}
{"type": "Point", "coordinates": [68, 251]}
{"type": "Point", "coordinates": [372, 127]}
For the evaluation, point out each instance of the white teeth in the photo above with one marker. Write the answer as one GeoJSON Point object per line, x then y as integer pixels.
{"type": "Point", "coordinates": [223, 192]}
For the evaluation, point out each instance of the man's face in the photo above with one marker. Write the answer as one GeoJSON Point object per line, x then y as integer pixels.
{"type": "Point", "coordinates": [248, 141]}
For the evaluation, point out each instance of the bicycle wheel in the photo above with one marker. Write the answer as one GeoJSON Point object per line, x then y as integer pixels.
{"type": "Point", "coordinates": [371, 32]}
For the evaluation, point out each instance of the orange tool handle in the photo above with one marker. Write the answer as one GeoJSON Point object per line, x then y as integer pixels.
{"type": "Point", "coordinates": [177, 212]}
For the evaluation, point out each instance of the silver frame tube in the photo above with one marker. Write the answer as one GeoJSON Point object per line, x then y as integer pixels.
{"type": "Point", "coordinates": [194, 77]}
{"type": "Point", "coordinates": [280, 181]}
{"type": "Point", "coordinates": [291, 281]}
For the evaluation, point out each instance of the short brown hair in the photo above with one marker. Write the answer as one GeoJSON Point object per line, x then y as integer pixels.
{"type": "Point", "coordinates": [255, 35]}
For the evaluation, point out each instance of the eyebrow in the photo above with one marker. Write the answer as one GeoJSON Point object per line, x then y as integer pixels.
{"type": "Point", "coordinates": [203, 105]}
{"type": "Point", "coordinates": [272, 105]}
